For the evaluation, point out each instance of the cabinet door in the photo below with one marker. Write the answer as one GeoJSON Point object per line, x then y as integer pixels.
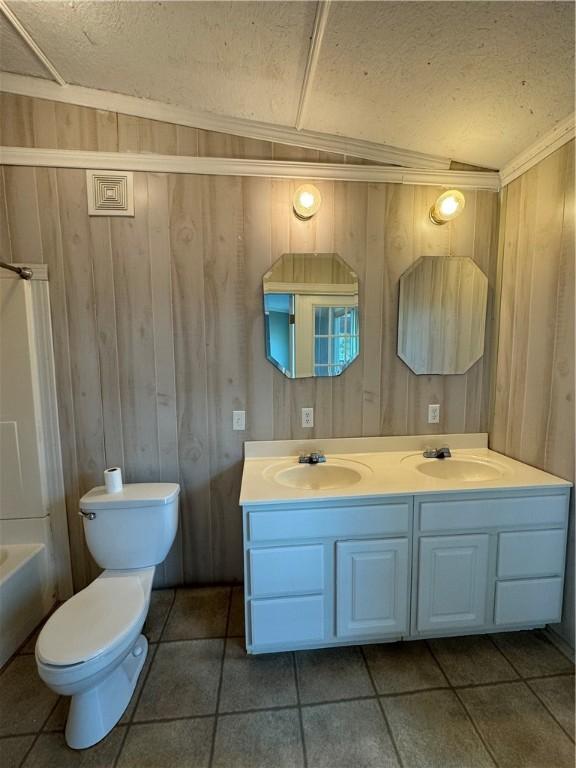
{"type": "Point", "coordinates": [452, 581]}
{"type": "Point", "coordinates": [372, 587]}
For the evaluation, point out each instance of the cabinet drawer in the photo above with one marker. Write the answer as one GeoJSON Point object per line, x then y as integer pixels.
{"type": "Point", "coordinates": [467, 514]}
{"type": "Point", "coordinates": [286, 620]}
{"type": "Point", "coordinates": [528, 601]}
{"type": "Point", "coordinates": [337, 522]}
{"type": "Point", "coordinates": [287, 570]}
{"type": "Point", "coordinates": [530, 553]}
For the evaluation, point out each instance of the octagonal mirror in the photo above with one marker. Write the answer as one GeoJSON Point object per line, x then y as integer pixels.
{"type": "Point", "coordinates": [442, 314]}
{"type": "Point", "coordinates": [311, 315]}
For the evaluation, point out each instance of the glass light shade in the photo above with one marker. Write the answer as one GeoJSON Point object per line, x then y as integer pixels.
{"type": "Point", "coordinates": [449, 205]}
{"type": "Point", "coordinates": [307, 201]}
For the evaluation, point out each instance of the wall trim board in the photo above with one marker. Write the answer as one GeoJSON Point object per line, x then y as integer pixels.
{"type": "Point", "coordinates": [223, 166]}
{"type": "Point", "coordinates": [36, 87]}
{"type": "Point", "coordinates": [561, 134]}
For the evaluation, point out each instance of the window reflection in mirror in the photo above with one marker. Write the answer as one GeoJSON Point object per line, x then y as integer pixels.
{"type": "Point", "coordinates": [311, 315]}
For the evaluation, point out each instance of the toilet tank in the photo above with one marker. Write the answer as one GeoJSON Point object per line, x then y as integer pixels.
{"type": "Point", "coordinates": [133, 528]}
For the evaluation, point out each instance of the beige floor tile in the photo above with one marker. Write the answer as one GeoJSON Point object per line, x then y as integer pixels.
{"type": "Point", "coordinates": [57, 720]}
{"type": "Point", "coordinates": [532, 654]}
{"type": "Point", "coordinates": [557, 693]}
{"type": "Point", "coordinates": [431, 730]}
{"type": "Point", "coordinates": [350, 733]}
{"type": "Point", "coordinates": [331, 674]}
{"type": "Point", "coordinates": [183, 680]}
{"type": "Point", "coordinates": [471, 660]}
{"type": "Point", "coordinates": [13, 749]}
{"type": "Point", "coordinates": [256, 682]}
{"type": "Point", "coordinates": [259, 740]}
{"type": "Point", "coordinates": [517, 728]}
{"type": "Point", "coordinates": [160, 602]}
{"type": "Point", "coordinates": [236, 624]}
{"type": "Point", "coordinates": [198, 613]}
{"type": "Point", "coordinates": [177, 744]}
{"type": "Point", "coordinates": [51, 751]}
{"type": "Point", "coordinates": [25, 701]}
{"type": "Point", "coordinates": [402, 667]}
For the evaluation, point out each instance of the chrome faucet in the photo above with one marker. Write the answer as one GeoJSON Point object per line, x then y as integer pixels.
{"type": "Point", "coordinates": [316, 457]}
{"type": "Point", "coordinates": [437, 453]}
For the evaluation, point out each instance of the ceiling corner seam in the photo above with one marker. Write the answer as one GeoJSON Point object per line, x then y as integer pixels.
{"type": "Point", "coordinates": [320, 23]}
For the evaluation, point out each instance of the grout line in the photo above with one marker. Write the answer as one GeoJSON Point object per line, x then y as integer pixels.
{"type": "Point", "coordinates": [547, 677]}
{"type": "Point", "coordinates": [299, 703]}
{"type": "Point", "coordinates": [552, 715]}
{"type": "Point", "coordinates": [215, 728]}
{"type": "Point", "coordinates": [381, 706]}
{"type": "Point", "coordinates": [467, 713]}
{"type": "Point", "coordinates": [505, 657]}
{"type": "Point", "coordinates": [483, 741]}
{"type": "Point", "coordinates": [168, 614]}
{"type": "Point", "coordinates": [209, 715]}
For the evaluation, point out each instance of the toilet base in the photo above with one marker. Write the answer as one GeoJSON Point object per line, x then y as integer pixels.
{"type": "Point", "coordinates": [93, 713]}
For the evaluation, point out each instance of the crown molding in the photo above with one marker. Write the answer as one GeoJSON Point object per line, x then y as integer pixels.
{"type": "Point", "coordinates": [155, 110]}
{"type": "Point", "coordinates": [562, 133]}
{"type": "Point", "coordinates": [224, 166]}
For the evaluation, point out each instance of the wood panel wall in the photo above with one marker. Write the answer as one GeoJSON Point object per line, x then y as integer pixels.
{"type": "Point", "coordinates": [533, 417]}
{"type": "Point", "coordinates": [158, 326]}
{"type": "Point", "coordinates": [30, 122]}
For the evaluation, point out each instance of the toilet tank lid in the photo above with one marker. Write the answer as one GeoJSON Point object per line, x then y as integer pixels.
{"type": "Point", "coordinates": [131, 495]}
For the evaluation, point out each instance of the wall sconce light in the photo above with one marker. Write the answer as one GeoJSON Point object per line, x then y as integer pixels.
{"type": "Point", "coordinates": [447, 207]}
{"type": "Point", "coordinates": [307, 201]}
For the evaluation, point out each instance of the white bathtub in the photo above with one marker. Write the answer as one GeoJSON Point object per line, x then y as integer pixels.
{"type": "Point", "coordinates": [26, 593]}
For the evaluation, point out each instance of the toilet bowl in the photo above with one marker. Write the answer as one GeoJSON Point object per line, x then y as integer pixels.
{"type": "Point", "coordinates": [92, 648]}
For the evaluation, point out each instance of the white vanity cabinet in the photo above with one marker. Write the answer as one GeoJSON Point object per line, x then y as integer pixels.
{"type": "Point", "coordinates": [379, 569]}
{"type": "Point", "coordinates": [327, 574]}
{"type": "Point", "coordinates": [488, 560]}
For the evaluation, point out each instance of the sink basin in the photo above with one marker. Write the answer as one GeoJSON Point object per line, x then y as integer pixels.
{"type": "Point", "coordinates": [470, 469]}
{"type": "Point", "coordinates": [335, 473]}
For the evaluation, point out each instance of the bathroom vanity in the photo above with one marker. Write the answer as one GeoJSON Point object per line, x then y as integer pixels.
{"type": "Point", "coordinates": [380, 544]}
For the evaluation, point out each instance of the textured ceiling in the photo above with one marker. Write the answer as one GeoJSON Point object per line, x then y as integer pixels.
{"type": "Point", "coordinates": [15, 55]}
{"type": "Point", "coordinates": [474, 81]}
{"type": "Point", "coordinates": [245, 59]}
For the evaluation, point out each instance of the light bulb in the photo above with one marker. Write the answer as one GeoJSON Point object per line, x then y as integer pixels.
{"type": "Point", "coordinates": [447, 207]}
{"type": "Point", "coordinates": [306, 201]}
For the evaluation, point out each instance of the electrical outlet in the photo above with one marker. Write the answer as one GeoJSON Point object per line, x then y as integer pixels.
{"type": "Point", "coordinates": [434, 414]}
{"type": "Point", "coordinates": [307, 417]}
{"type": "Point", "coordinates": [239, 420]}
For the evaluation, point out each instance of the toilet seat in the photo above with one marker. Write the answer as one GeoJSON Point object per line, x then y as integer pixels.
{"type": "Point", "coordinates": [97, 620]}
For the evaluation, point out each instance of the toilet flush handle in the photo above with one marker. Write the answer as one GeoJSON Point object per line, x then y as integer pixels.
{"type": "Point", "coordinates": [88, 515]}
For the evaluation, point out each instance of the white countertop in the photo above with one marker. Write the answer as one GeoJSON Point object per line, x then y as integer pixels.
{"type": "Point", "coordinates": [387, 466]}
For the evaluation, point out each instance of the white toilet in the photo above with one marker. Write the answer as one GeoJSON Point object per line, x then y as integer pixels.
{"type": "Point", "coordinates": [92, 648]}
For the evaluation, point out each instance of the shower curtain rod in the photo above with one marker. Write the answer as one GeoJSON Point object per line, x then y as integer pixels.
{"type": "Point", "coordinates": [24, 272]}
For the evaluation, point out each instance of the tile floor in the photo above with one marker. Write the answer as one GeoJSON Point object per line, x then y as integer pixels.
{"type": "Point", "coordinates": [506, 701]}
